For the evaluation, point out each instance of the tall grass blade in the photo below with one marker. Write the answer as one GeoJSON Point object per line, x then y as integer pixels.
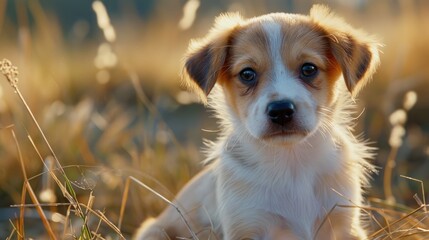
{"type": "Point", "coordinates": [31, 193]}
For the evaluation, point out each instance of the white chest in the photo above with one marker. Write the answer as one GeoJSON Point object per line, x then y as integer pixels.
{"type": "Point", "coordinates": [277, 194]}
{"type": "Point", "coordinates": [296, 204]}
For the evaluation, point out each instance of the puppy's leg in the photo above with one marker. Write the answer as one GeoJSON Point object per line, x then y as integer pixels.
{"type": "Point", "coordinates": [196, 201]}
{"type": "Point", "coordinates": [149, 231]}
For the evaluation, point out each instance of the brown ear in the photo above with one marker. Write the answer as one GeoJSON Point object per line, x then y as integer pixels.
{"type": "Point", "coordinates": [354, 51]}
{"type": "Point", "coordinates": [206, 58]}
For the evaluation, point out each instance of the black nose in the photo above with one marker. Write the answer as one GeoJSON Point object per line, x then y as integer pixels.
{"type": "Point", "coordinates": [281, 112]}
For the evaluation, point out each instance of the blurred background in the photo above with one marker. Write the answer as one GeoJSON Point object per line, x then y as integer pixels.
{"type": "Point", "coordinates": [102, 79]}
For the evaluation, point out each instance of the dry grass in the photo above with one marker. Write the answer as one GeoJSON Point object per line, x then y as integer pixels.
{"type": "Point", "coordinates": [88, 128]}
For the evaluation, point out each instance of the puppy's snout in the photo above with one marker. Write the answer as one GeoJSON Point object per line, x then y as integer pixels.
{"type": "Point", "coordinates": [281, 112]}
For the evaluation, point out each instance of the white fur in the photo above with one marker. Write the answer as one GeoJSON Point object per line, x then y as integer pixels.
{"type": "Point", "coordinates": [295, 170]}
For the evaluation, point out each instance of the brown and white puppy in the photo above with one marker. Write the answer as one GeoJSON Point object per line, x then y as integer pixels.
{"type": "Point", "coordinates": [286, 162]}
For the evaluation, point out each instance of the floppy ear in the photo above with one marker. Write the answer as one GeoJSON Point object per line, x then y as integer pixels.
{"type": "Point", "coordinates": [206, 57]}
{"type": "Point", "coordinates": [354, 51]}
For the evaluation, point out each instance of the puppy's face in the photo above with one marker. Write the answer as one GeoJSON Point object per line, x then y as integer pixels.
{"type": "Point", "coordinates": [280, 74]}
{"type": "Point", "coordinates": [279, 71]}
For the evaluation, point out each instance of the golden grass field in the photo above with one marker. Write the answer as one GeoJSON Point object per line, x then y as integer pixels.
{"type": "Point", "coordinates": [104, 88]}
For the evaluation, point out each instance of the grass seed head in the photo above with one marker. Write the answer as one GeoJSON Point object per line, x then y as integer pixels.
{"type": "Point", "coordinates": [10, 72]}
{"type": "Point", "coordinates": [410, 100]}
{"type": "Point", "coordinates": [398, 117]}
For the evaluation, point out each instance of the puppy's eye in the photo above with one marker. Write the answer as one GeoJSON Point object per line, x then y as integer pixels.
{"type": "Point", "coordinates": [247, 75]}
{"type": "Point", "coordinates": [308, 71]}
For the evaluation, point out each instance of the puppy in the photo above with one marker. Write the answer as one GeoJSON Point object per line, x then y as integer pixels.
{"type": "Point", "coordinates": [286, 165]}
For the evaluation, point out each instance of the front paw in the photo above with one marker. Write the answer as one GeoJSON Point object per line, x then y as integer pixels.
{"type": "Point", "coordinates": [149, 231]}
{"type": "Point", "coordinates": [151, 234]}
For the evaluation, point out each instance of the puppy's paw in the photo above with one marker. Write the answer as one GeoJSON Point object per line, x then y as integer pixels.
{"type": "Point", "coordinates": [150, 231]}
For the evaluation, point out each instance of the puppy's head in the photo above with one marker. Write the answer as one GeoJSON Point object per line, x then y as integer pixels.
{"type": "Point", "coordinates": [279, 71]}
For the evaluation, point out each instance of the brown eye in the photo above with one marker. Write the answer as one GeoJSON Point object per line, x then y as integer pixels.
{"type": "Point", "coordinates": [308, 71]}
{"type": "Point", "coordinates": [247, 75]}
